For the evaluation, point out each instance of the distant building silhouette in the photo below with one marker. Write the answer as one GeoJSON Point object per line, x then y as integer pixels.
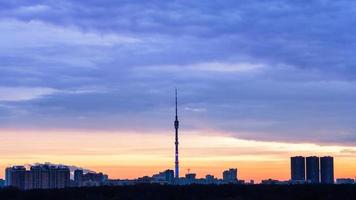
{"type": "Point", "coordinates": [2, 183]}
{"type": "Point", "coordinates": [298, 168]}
{"type": "Point", "coordinates": [38, 177]}
{"type": "Point", "coordinates": [327, 170]}
{"type": "Point", "coordinates": [273, 182]}
{"type": "Point", "coordinates": [312, 169]}
{"type": "Point", "coordinates": [345, 181]}
{"type": "Point", "coordinates": [93, 179]}
{"type": "Point", "coordinates": [166, 176]}
{"type": "Point", "coordinates": [190, 176]}
{"type": "Point", "coordinates": [15, 176]}
{"type": "Point", "coordinates": [210, 179]}
{"type": "Point", "coordinates": [230, 175]}
{"type": "Point", "coordinates": [78, 177]}
{"type": "Point", "coordinates": [169, 175]}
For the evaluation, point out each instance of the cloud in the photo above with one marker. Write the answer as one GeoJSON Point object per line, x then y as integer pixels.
{"type": "Point", "coordinates": [276, 70]}
{"type": "Point", "coordinates": [209, 67]}
{"type": "Point", "coordinates": [33, 9]}
{"type": "Point", "coordinates": [228, 67]}
{"type": "Point", "coordinates": [38, 34]}
{"type": "Point", "coordinates": [24, 93]}
{"type": "Point", "coordinates": [195, 109]}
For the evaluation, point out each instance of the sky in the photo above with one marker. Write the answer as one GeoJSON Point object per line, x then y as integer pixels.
{"type": "Point", "coordinates": [91, 83]}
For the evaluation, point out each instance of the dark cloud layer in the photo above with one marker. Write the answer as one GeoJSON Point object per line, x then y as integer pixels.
{"type": "Point", "coordinates": [271, 70]}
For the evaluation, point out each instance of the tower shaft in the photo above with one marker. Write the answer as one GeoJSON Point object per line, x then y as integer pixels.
{"type": "Point", "coordinates": [176, 127]}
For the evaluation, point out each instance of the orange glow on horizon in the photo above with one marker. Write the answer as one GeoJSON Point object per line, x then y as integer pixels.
{"type": "Point", "coordinates": [131, 155]}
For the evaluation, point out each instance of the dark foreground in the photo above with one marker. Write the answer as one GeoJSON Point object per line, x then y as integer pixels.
{"type": "Point", "coordinates": [198, 192]}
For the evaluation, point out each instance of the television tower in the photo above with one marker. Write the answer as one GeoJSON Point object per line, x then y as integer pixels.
{"type": "Point", "coordinates": [176, 127]}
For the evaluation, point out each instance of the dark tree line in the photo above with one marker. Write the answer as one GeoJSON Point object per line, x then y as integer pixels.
{"type": "Point", "coordinates": [193, 192]}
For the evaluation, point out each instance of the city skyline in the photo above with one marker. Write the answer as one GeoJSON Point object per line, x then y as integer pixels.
{"type": "Point", "coordinates": [91, 84]}
{"type": "Point", "coordinates": [246, 171]}
{"type": "Point", "coordinates": [294, 177]}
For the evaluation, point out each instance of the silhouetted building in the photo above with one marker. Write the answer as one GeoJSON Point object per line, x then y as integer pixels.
{"type": "Point", "coordinates": [2, 183]}
{"type": "Point", "coordinates": [345, 181]}
{"type": "Point", "coordinates": [50, 176]}
{"type": "Point", "coordinates": [15, 177]}
{"type": "Point", "coordinates": [273, 182]}
{"type": "Point", "coordinates": [210, 179]}
{"type": "Point", "coordinates": [230, 175]}
{"type": "Point", "coordinates": [312, 167]}
{"type": "Point", "coordinates": [166, 176]}
{"type": "Point", "coordinates": [298, 168]}
{"type": "Point", "coordinates": [61, 177]}
{"type": "Point", "coordinates": [169, 175]}
{"type": "Point", "coordinates": [38, 177]}
{"type": "Point", "coordinates": [327, 170]}
{"type": "Point", "coordinates": [28, 180]}
{"type": "Point", "coordinates": [78, 177]}
{"type": "Point", "coordinates": [190, 176]}
{"type": "Point", "coordinates": [94, 179]}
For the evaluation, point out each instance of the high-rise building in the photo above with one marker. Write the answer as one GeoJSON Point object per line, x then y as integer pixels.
{"type": "Point", "coordinates": [28, 180]}
{"type": "Point", "coordinates": [169, 175]}
{"type": "Point", "coordinates": [166, 176]}
{"type": "Point", "coordinates": [312, 167]}
{"type": "Point", "coordinates": [230, 175]}
{"type": "Point", "coordinates": [297, 168]}
{"type": "Point", "coordinates": [78, 177]}
{"type": "Point", "coordinates": [38, 177]}
{"type": "Point", "coordinates": [327, 170]}
{"type": "Point", "coordinates": [62, 177]}
{"type": "Point", "coordinates": [15, 177]}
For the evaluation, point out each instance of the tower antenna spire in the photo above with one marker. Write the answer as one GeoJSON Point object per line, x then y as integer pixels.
{"type": "Point", "coordinates": [176, 104]}
{"type": "Point", "coordinates": [176, 127]}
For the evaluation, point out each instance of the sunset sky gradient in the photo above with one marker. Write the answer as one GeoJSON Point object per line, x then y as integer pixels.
{"type": "Point", "coordinates": [91, 83]}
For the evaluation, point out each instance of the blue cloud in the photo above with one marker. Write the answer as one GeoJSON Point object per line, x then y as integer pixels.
{"type": "Point", "coordinates": [269, 70]}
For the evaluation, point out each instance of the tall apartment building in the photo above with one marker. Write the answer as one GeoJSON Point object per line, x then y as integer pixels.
{"type": "Point", "coordinates": [312, 167]}
{"type": "Point", "coordinates": [230, 175]}
{"type": "Point", "coordinates": [298, 168]}
{"type": "Point", "coordinates": [318, 170]}
{"type": "Point", "coordinates": [38, 177]}
{"type": "Point", "coordinates": [78, 177]}
{"type": "Point", "coordinates": [15, 176]}
{"type": "Point", "coordinates": [327, 170]}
